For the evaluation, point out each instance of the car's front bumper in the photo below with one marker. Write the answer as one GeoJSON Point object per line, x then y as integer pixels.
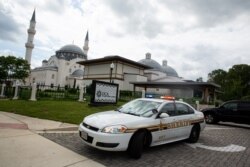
{"type": "Point", "coordinates": [105, 141]}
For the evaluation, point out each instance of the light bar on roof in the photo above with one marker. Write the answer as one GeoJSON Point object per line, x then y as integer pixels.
{"type": "Point", "coordinates": [168, 97]}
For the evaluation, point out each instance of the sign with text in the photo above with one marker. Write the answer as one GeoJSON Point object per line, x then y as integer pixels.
{"type": "Point", "coordinates": [104, 92]}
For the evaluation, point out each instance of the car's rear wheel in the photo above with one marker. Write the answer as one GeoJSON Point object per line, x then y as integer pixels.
{"type": "Point", "coordinates": [210, 119]}
{"type": "Point", "coordinates": [136, 145]}
{"type": "Point", "coordinates": [195, 134]}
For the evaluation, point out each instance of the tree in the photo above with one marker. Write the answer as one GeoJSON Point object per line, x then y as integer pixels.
{"type": "Point", "coordinates": [235, 83]}
{"type": "Point", "coordinates": [13, 68]}
{"type": "Point", "coordinates": [239, 79]}
{"type": "Point", "coordinates": [217, 76]}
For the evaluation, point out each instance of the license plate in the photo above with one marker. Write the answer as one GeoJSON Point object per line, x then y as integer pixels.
{"type": "Point", "coordinates": [84, 135]}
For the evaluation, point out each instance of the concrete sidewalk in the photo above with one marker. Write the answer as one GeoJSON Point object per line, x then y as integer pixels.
{"type": "Point", "coordinates": [21, 146]}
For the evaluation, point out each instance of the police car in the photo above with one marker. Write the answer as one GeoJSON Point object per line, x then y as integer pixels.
{"type": "Point", "coordinates": [141, 123]}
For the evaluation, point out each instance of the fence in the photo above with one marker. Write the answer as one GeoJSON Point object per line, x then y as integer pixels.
{"type": "Point", "coordinates": [45, 92]}
{"type": "Point", "coordinates": [57, 93]}
{"type": "Point", "coordinates": [8, 91]}
{"type": "Point", "coordinates": [129, 95]}
{"type": "Point", "coordinates": [42, 92]}
{"type": "Point", "coordinates": [24, 92]}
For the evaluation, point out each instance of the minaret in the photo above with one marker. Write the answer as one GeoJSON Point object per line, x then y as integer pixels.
{"type": "Point", "coordinates": [86, 44]}
{"type": "Point", "coordinates": [31, 33]}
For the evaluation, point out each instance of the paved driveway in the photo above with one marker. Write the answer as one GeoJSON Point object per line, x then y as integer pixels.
{"type": "Point", "coordinates": [219, 145]}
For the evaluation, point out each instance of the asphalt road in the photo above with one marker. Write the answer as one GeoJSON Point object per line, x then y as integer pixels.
{"type": "Point", "coordinates": [219, 145]}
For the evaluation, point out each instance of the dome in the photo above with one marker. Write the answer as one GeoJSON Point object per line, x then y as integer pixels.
{"type": "Point", "coordinates": [150, 62]}
{"type": "Point", "coordinates": [170, 71]}
{"type": "Point", "coordinates": [78, 73]}
{"type": "Point", "coordinates": [71, 48]}
{"type": "Point", "coordinates": [69, 52]}
{"type": "Point", "coordinates": [156, 66]}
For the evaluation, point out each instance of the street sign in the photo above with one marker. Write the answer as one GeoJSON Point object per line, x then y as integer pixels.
{"type": "Point", "coordinates": [104, 92]}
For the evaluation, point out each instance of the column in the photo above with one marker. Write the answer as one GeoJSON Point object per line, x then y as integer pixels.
{"type": "Point", "coordinates": [81, 94]}
{"type": "Point", "coordinates": [2, 90]}
{"type": "Point", "coordinates": [143, 93]}
{"type": "Point", "coordinates": [33, 92]}
{"type": "Point", "coordinates": [197, 105]}
{"type": "Point", "coordinates": [16, 92]}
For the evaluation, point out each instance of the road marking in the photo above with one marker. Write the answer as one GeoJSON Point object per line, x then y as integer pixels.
{"type": "Point", "coordinates": [229, 148]}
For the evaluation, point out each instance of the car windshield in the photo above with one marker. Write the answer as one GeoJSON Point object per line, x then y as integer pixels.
{"type": "Point", "coordinates": [140, 108]}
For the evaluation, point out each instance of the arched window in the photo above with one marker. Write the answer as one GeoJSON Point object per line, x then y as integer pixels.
{"type": "Point", "coordinates": [52, 76]}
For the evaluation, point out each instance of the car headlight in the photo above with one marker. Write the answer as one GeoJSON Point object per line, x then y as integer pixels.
{"type": "Point", "coordinates": [115, 129]}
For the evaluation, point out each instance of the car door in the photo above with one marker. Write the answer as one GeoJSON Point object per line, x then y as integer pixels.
{"type": "Point", "coordinates": [165, 133]}
{"type": "Point", "coordinates": [229, 112]}
{"type": "Point", "coordinates": [244, 111]}
{"type": "Point", "coordinates": [184, 116]}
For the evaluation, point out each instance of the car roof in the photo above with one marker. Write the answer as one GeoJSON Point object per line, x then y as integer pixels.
{"type": "Point", "coordinates": [165, 101]}
{"type": "Point", "coordinates": [244, 101]}
{"type": "Point", "coordinates": [157, 100]}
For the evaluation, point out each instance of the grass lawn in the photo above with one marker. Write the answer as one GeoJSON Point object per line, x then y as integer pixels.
{"type": "Point", "coordinates": [64, 111]}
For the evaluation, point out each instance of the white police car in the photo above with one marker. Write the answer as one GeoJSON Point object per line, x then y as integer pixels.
{"type": "Point", "coordinates": [140, 123]}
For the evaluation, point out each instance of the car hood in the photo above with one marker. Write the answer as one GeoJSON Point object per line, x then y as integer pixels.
{"type": "Point", "coordinates": [108, 118]}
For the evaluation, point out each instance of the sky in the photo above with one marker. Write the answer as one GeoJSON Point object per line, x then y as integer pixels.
{"type": "Point", "coordinates": [194, 36]}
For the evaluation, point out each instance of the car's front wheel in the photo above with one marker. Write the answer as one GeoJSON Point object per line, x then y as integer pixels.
{"type": "Point", "coordinates": [136, 145]}
{"type": "Point", "coordinates": [195, 134]}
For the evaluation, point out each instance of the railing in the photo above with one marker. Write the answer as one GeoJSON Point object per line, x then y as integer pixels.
{"type": "Point", "coordinates": [9, 91]}
{"type": "Point", "coordinates": [129, 95]}
{"type": "Point", "coordinates": [45, 92]}
{"type": "Point", "coordinates": [57, 93]}
{"type": "Point", "coordinates": [24, 92]}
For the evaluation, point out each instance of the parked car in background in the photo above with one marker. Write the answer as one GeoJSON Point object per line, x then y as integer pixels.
{"type": "Point", "coordinates": [232, 111]}
{"type": "Point", "coordinates": [142, 123]}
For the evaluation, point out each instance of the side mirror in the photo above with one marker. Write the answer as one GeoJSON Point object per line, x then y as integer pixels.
{"type": "Point", "coordinates": [155, 111]}
{"type": "Point", "coordinates": [164, 115]}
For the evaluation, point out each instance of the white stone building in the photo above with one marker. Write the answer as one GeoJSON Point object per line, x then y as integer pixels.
{"type": "Point", "coordinates": [126, 71]}
{"type": "Point", "coordinates": [146, 74]}
{"type": "Point", "coordinates": [61, 69]}
{"type": "Point", "coordinates": [123, 72]}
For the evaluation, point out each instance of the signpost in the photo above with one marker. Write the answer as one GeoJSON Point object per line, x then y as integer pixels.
{"type": "Point", "coordinates": [104, 93]}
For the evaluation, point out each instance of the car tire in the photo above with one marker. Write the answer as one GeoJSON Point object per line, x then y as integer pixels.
{"type": "Point", "coordinates": [136, 145]}
{"type": "Point", "coordinates": [210, 119]}
{"type": "Point", "coordinates": [194, 135]}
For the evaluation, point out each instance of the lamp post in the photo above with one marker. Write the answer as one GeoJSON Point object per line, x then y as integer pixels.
{"type": "Point", "coordinates": [111, 69]}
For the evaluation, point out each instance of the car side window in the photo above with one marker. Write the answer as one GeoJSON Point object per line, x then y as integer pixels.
{"type": "Point", "coordinates": [169, 109]}
{"type": "Point", "coordinates": [231, 106]}
{"type": "Point", "coordinates": [245, 105]}
{"type": "Point", "coordinates": [191, 111]}
{"type": "Point", "coordinates": [183, 109]}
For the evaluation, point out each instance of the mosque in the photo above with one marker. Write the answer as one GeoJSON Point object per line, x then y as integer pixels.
{"type": "Point", "coordinates": [60, 69]}
{"type": "Point", "coordinates": [70, 66]}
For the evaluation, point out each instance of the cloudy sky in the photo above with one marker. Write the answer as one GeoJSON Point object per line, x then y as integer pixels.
{"type": "Point", "coordinates": [194, 36]}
